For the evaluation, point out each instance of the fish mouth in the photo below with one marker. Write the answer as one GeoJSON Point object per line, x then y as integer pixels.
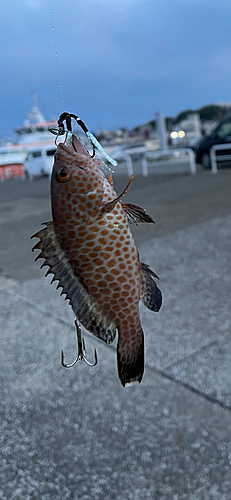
{"type": "Point", "coordinates": [65, 148]}
{"type": "Point", "coordinates": [73, 143]}
{"type": "Point", "coordinates": [71, 149]}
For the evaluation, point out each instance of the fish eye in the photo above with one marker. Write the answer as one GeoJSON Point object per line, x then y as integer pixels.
{"type": "Point", "coordinates": [63, 174]}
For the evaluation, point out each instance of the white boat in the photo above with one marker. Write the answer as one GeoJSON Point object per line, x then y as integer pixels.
{"type": "Point", "coordinates": [34, 150]}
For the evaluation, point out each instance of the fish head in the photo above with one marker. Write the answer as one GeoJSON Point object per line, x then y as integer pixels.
{"type": "Point", "coordinates": [74, 176]}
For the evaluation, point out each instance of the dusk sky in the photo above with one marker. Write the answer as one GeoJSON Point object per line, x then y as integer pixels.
{"type": "Point", "coordinates": [120, 61]}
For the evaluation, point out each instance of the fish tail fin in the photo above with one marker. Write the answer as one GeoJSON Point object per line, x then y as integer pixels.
{"type": "Point", "coordinates": [130, 357]}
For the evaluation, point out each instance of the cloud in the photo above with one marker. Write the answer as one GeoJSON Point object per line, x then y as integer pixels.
{"type": "Point", "coordinates": [118, 60]}
{"type": "Point", "coordinates": [12, 4]}
{"type": "Point", "coordinates": [217, 66]}
{"type": "Point", "coordinates": [32, 4]}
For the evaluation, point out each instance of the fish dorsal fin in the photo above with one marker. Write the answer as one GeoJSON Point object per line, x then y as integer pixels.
{"type": "Point", "coordinates": [150, 295]}
{"type": "Point", "coordinates": [136, 214]}
{"type": "Point", "coordinates": [110, 180]}
{"type": "Point", "coordinates": [86, 310]}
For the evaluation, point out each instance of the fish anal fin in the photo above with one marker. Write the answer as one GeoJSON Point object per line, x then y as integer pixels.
{"type": "Point", "coordinates": [85, 308]}
{"type": "Point", "coordinates": [108, 207]}
{"type": "Point", "coordinates": [146, 268]}
{"type": "Point", "coordinates": [151, 295]}
{"type": "Point", "coordinates": [136, 214]}
{"type": "Point", "coordinates": [130, 359]}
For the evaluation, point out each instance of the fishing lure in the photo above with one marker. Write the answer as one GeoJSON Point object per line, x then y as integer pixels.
{"type": "Point", "coordinates": [90, 250]}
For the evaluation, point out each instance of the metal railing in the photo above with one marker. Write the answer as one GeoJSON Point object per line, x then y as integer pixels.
{"type": "Point", "coordinates": [127, 158]}
{"type": "Point", "coordinates": [214, 158]}
{"type": "Point", "coordinates": [146, 154]}
{"type": "Point", "coordinates": [173, 152]}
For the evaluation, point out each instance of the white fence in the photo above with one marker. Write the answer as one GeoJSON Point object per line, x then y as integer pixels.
{"type": "Point", "coordinates": [214, 158]}
{"type": "Point", "coordinates": [175, 153]}
{"type": "Point", "coordinates": [146, 155]}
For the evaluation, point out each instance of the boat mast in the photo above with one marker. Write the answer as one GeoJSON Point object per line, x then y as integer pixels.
{"type": "Point", "coordinates": [35, 114]}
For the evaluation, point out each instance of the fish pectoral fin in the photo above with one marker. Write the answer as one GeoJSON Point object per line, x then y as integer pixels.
{"type": "Point", "coordinates": [130, 357]}
{"type": "Point", "coordinates": [136, 214]}
{"type": "Point", "coordinates": [108, 207]}
{"type": "Point", "coordinates": [150, 295]}
{"type": "Point", "coordinates": [86, 310]}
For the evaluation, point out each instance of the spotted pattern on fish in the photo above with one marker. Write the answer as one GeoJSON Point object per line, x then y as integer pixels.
{"type": "Point", "coordinates": [90, 223]}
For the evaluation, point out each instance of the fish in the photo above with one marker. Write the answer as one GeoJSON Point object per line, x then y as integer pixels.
{"type": "Point", "coordinates": [90, 250]}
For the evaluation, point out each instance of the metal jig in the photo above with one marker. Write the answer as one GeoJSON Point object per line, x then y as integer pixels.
{"type": "Point", "coordinates": [60, 130]}
{"type": "Point", "coordinates": [81, 350]}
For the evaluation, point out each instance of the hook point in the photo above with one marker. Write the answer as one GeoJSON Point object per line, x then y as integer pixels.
{"type": "Point", "coordinates": [81, 351]}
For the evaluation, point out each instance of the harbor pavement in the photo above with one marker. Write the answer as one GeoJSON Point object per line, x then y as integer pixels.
{"type": "Point", "coordinates": [77, 433]}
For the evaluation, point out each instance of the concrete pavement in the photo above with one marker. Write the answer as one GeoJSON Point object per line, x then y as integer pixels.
{"type": "Point", "coordinates": [76, 434]}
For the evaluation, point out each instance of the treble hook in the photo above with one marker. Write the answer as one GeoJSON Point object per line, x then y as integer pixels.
{"type": "Point", "coordinates": [81, 350]}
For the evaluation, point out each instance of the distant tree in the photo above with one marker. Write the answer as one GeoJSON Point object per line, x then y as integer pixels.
{"type": "Point", "coordinates": [100, 136]}
{"type": "Point", "coordinates": [183, 114]}
{"type": "Point", "coordinates": [211, 112]}
{"type": "Point", "coordinates": [152, 123]}
{"type": "Point", "coordinates": [170, 122]}
{"type": "Point", "coordinates": [136, 129]}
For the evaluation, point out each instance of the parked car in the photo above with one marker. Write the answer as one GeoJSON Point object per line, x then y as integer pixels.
{"type": "Point", "coordinates": [220, 135]}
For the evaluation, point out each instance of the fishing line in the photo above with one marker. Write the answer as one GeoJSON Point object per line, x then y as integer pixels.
{"type": "Point", "coordinates": [66, 116]}
{"type": "Point", "coordinates": [56, 51]}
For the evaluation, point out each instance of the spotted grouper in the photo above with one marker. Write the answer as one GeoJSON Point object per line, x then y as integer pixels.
{"type": "Point", "coordinates": [90, 250]}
